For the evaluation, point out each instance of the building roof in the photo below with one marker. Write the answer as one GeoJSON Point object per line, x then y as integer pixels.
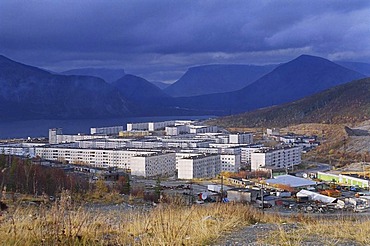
{"type": "Point", "coordinates": [291, 181]}
{"type": "Point", "coordinates": [316, 196]}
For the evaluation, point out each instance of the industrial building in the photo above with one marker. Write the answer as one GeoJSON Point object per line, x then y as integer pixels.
{"type": "Point", "coordinates": [345, 179]}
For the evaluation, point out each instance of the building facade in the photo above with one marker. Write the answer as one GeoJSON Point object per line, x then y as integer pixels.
{"type": "Point", "coordinates": [153, 165]}
{"type": "Point", "coordinates": [230, 163]}
{"type": "Point", "coordinates": [111, 130]}
{"type": "Point", "coordinates": [94, 157]}
{"type": "Point", "coordinates": [199, 166]}
{"type": "Point", "coordinates": [283, 158]}
{"type": "Point", "coordinates": [241, 138]}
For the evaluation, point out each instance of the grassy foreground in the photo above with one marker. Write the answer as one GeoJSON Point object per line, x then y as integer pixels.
{"type": "Point", "coordinates": [61, 224]}
{"type": "Point", "coordinates": [170, 224]}
{"type": "Point", "coordinates": [344, 231]}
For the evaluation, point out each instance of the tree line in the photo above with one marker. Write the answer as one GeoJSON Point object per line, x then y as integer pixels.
{"type": "Point", "coordinates": [23, 176]}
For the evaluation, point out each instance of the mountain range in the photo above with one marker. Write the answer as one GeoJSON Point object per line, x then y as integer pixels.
{"type": "Point", "coordinates": [219, 78]}
{"type": "Point", "coordinates": [141, 94]}
{"type": "Point", "coordinates": [290, 81]}
{"type": "Point", "coordinates": [360, 67]}
{"type": "Point", "coordinates": [347, 103]}
{"type": "Point", "coordinates": [28, 92]}
{"type": "Point", "coordinates": [109, 75]}
{"type": "Point", "coordinates": [160, 85]}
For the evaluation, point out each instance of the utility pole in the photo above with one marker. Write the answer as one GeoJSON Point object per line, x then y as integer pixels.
{"type": "Point", "coordinates": [262, 200]}
{"type": "Point", "coordinates": [344, 144]}
{"type": "Point", "coordinates": [222, 188]}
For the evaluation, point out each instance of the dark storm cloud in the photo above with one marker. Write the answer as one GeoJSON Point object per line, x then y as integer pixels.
{"type": "Point", "coordinates": [160, 39]}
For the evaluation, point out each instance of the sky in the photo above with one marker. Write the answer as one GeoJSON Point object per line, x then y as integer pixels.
{"type": "Point", "coordinates": [159, 40]}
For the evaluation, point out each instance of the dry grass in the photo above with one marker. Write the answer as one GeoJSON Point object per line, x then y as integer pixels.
{"type": "Point", "coordinates": [62, 224]}
{"type": "Point", "coordinates": [323, 232]}
{"type": "Point", "coordinates": [168, 224]}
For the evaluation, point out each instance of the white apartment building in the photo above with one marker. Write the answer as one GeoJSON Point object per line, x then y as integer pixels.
{"type": "Point", "coordinates": [283, 158]}
{"type": "Point", "coordinates": [53, 133]}
{"type": "Point", "coordinates": [184, 143]}
{"type": "Point", "coordinates": [202, 129]}
{"type": "Point", "coordinates": [20, 149]}
{"type": "Point", "coordinates": [199, 166]}
{"type": "Point", "coordinates": [144, 126]}
{"type": "Point", "coordinates": [144, 144]}
{"type": "Point", "coordinates": [94, 157]}
{"type": "Point", "coordinates": [177, 130]}
{"type": "Point", "coordinates": [111, 143]}
{"type": "Point", "coordinates": [153, 164]}
{"type": "Point", "coordinates": [155, 126]}
{"type": "Point", "coordinates": [241, 138]}
{"type": "Point", "coordinates": [246, 153]}
{"type": "Point", "coordinates": [180, 155]}
{"type": "Point", "coordinates": [149, 126]}
{"type": "Point", "coordinates": [273, 132]}
{"type": "Point", "coordinates": [230, 163]}
{"type": "Point", "coordinates": [110, 130]}
{"type": "Point", "coordinates": [56, 136]}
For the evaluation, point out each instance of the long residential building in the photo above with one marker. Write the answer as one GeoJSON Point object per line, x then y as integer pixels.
{"type": "Point", "coordinates": [199, 166]}
{"type": "Point", "coordinates": [281, 158]}
{"type": "Point", "coordinates": [230, 163]}
{"type": "Point", "coordinates": [20, 149]}
{"type": "Point", "coordinates": [153, 164]}
{"type": "Point", "coordinates": [94, 157]}
{"type": "Point", "coordinates": [56, 136]}
{"type": "Point", "coordinates": [241, 138]}
{"type": "Point", "coordinates": [110, 130]}
{"type": "Point", "coordinates": [150, 126]}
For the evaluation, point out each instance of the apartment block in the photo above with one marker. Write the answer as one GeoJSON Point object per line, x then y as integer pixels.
{"type": "Point", "coordinates": [282, 158]}
{"type": "Point", "coordinates": [111, 130]}
{"type": "Point", "coordinates": [230, 163]}
{"type": "Point", "coordinates": [153, 164]}
{"type": "Point", "coordinates": [95, 157]}
{"type": "Point", "coordinates": [241, 138]}
{"type": "Point", "coordinates": [199, 166]}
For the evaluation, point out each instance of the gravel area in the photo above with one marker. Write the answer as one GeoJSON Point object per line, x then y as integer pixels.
{"type": "Point", "coordinates": [250, 235]}
{"type": "Point", "coordinates": [256, 235]}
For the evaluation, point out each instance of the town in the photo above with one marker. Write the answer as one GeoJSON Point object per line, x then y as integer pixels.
{"type": "Point", "coordinates": [205, 164]}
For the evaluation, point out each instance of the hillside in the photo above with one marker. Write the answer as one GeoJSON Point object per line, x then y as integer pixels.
{"type": "Point", "coordinates": [28, 92]}
{"type": "Point", "coordinates": [109, 75]}
{"type": "Point", "coordinates": [348, 103]}
{"type": "Point", "coordinates": [360, 67]}
{"type": "Point", "coordinates": [138, 90]}
{"type": "Point", "coordinates": [160, 85]}
{"type": "Point", "coordinates": [145, 99]}
{"type": "Point", "coordinates": [301, 77]}
{"type": "Point", "coordinates": [210, 79]}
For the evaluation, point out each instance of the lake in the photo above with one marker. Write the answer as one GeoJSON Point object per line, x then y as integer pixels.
{"type": "Point", "coordinates": [40, 128]}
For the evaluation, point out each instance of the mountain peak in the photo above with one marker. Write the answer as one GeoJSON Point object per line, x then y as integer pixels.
{"type": "Point", "coordinates": [108, 74]}
{"type": "Point", "coordinates": [136, 88]}
{"type": "Point", "coordinates": [6, 59]}
{"type": "Point", "coordinates": [3, 57]}
{"type": "Point", "coordinates": [309, 58]}
{"type": "Point", "coordinates": [216, 78]}
{"type": "Point", "coordinates": [350, 107]}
